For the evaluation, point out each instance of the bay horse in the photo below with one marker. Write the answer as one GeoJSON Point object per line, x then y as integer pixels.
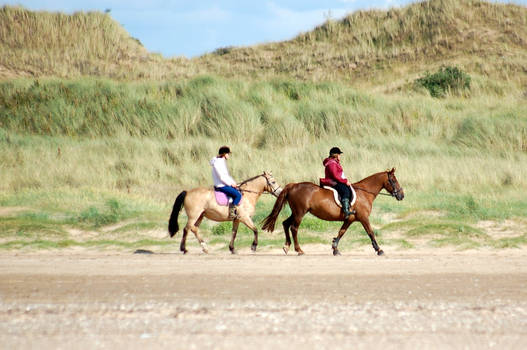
{"type": "Point", "coordinates": [200, 202]}
{"type": "Point", "coordinates": [307, 197]}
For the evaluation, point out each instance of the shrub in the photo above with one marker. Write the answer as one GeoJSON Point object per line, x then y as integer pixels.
{"type": "Point", "coordinates": [444, 80]}
{"type": "Point", "coordinates": [222, 228]}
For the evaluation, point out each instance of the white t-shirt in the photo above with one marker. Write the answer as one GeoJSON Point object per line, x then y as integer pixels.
{"type": "Point", "coordinates": [220, 173]}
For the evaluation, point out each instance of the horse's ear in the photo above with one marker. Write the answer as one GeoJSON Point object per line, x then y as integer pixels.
{"type": "Point", "coordinates": [393, 170]}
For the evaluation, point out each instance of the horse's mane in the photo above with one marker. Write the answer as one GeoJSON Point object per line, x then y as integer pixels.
{"type": "Point", "coordinates": [249, 180]}
{"type": "Point", "coordinates": [369, 177]}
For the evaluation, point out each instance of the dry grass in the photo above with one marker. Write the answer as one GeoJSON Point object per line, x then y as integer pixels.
{"type": "Point", "coordinates": [365, 48]}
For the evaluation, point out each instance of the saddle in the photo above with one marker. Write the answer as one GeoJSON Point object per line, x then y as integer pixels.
{"type": "Point", "coordinates": [223, 199]}
{"type": "Point", "coordinates": [337, 197]}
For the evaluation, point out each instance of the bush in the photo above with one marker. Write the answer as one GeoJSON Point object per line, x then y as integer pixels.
{"type": "Point", "coordinates": [222, 228]}
{"type": "Point", "coordinates": [444, 80]}
{"type": "Point", "coordinates": [112, 213]}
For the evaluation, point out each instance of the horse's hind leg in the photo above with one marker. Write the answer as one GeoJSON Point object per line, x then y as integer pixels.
{"type": "Point", "coordinates": [371, 234]}
{"type": "Point", "coordinates": [287, 224]}
{"type": "Point", "coordinates": [182, 246]}
{"type": "Point", "coordinates": [297, 219]}
{"type": "Point", "coordinates": [342, 231]}
{"type": "Point", "coordinates": [235, 224]}
{"type": "Point", "coordinates": [194, 228]}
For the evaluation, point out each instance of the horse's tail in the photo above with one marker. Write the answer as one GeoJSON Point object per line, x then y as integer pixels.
{"type": "Point", "coordinates": [269, 222]}
{"type": "Point", "coordinates": [173, 226]}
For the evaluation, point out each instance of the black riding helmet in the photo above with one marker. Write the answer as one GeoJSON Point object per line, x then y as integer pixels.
{"type": "Point", "coordinates": [224, 150]}
{"type": "Point", "coordinates": [335, 150]}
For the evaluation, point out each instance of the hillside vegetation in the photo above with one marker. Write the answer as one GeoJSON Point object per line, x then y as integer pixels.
{"type": "Point", "coordinates": [40, 44]}
{"type": "Point", "coordinates": [373, 47]}
{"type": "Point", "coordinates": [485, 38]}
{"type": "Point", "coordinates": [95, 130]}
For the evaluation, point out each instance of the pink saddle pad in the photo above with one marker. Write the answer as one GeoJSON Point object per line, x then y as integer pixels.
{"type": "Point", "coordinates": [222, 198]}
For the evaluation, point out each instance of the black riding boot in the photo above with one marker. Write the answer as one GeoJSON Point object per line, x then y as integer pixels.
{"type": "Point", "coordinates": [346, 207]}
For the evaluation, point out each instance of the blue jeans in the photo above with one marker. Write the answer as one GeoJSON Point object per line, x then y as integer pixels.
{"type": "Point", "coordinates": [231, 192]}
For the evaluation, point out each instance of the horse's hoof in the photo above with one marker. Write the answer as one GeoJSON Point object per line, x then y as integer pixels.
{"type": "Point", "coordinates": [184, 251]}
{"type": "Point", "coordinates": [300, 253]}
{"type": "Point", "coordinates": [336, 252]}
{"type": "Point", "coordinates": [380, 252]}
{"type": "Point", "coordinates": [253, 247]}
{"type": "Point", "coordinates": [233, 251]}
{"type": "Point", "coordinates": [286, 249]}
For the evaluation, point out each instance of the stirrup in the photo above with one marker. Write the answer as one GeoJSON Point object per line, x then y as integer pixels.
{"type": "Point", "coordinates": [350, 212]}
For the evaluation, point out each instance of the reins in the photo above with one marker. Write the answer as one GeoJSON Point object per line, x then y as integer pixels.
{"type": "Point", "coordinates": [264, 192]}
{"type": "Point", "coordinates": [383, 194]}
{"type": "Point", "coordinates": [393, 194]}
{"type": "Point", "coordinates": [248, 180]}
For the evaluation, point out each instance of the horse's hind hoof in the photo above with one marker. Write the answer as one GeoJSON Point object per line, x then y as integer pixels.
{"type": "Point", "coordinates": [184, 251]}
{"type": "Point", "coordinates": [233, 251]}
{"type": "Point", "coordinates": [336, 252]}
{"type": "Point", "coordinates": [286, 249]}
{"type": "Point", "coordinates": [253, 248]}
{"type": "Point", "coordinates": [300, 253]}
{"type": "Point", "coordinates": [380, 252]}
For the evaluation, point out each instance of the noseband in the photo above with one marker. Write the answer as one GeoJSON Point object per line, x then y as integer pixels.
{"type": "Point", "coordinates": [395, 191]}
{"type": "Point", "coordinates": [275, 189]}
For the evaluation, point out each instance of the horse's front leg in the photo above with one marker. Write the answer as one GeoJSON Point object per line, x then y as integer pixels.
{"type": "Point", "coordinates": [366, 224]}
{"type": "Point", "coordinates": [235, 224]}
{"type": "Point", "coordinates": [250, 224]}
{"type": "Point", "coordinates": [342, 231]}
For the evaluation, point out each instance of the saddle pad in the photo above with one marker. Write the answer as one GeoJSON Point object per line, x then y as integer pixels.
{"type": "Point", "coordinates": [222, 198]}
{"type": "Point", "coordinates": [336, 195]}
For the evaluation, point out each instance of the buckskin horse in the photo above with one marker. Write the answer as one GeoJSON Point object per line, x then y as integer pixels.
{"type": "Point", "coordinates": [307, 197]}
{"type": "Point", "coordinates": [201, 202]}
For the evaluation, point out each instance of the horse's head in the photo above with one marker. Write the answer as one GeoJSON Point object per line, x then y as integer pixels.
{"type": "Point", "coordinates": [392, 185]}
{"type": "Point", "coordinates": [272, 186]}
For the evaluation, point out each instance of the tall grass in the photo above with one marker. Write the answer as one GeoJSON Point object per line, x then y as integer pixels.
{"type": "Point", "coordinates": [99, 133]}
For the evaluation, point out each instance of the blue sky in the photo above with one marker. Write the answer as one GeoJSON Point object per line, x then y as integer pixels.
{"type": "Point", "coordinates": [192, 28]}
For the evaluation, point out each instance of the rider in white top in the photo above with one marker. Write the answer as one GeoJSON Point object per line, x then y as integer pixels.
{"type": "Point", "coordinates": [220, 173]}
{"type": "Point", "coordinates": [223, 182]}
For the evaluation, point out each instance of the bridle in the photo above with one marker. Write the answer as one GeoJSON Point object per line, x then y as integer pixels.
{"type": "Point", "coordinates": [394, 192]}
{"type": "Point", "coordinates": [273, 188]}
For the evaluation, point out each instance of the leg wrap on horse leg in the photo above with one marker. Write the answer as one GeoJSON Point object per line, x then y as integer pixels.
{"type": "Point", "coordinates": [233, 211]}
